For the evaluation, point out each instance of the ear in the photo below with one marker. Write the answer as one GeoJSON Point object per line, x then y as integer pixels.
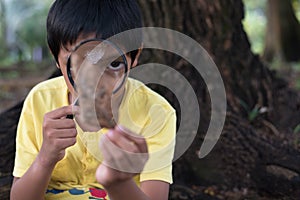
{"type": "Point", "coordinates": [135, 62]}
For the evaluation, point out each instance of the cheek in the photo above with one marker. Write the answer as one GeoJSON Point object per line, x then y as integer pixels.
{"type": "Point", "coordinates": [63, 69]}
{"type": "Point", "coordinates": [63, 58]}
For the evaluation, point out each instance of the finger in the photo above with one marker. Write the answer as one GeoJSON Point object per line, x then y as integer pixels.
{"type": "Point", "coordinates": [54, 134]}
{"type": "Point", "coordinates": [64, 143]}
{"type": "Point", "coordinates": [138, 140]}
{"type": "Point", "coordinates": [58, 124]}
{"type": "Point", "coordinates": [66, 133]}
{"type": "Point", "coordinates": [121, 160]}
{"type": "Point", "coordinates": [121, 141]}
{"type": "Point", "coordinates": [114, 157]}
{"type": "Point", "coordinates": [62, 112]}
{"type": "Point", "coordinates": [76, 109]}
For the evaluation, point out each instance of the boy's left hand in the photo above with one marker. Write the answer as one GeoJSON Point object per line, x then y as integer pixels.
{"type": "Point", "coordinates": [125, 155]}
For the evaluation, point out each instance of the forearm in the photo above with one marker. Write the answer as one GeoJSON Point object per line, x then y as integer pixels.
{"type": "Point", "coordinates": [33, 184]}
{"type": "Point", "coordinates": [126, 190]}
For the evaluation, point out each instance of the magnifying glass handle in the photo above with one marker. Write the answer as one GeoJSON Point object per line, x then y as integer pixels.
{"type": "Point", "coordinates": [76, 103]}
{"type": "Point", "coordinates": [70, 117]}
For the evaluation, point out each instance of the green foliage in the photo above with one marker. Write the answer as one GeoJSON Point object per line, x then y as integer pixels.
{"type": "Point", "coordinates": [32, 33]}
{"type": "Point", "coordinates": [295, 66]}
{"type": "Point", "coordinates": [297, 129]}
{"type": "Point", "coordinates": [33, 30]}
{"type": "Point", "coordinates": [297, 84]}
{"type": "Point", "coordinates": [253, 113]}
{"type": "Point", "coordinates": [2, 28]}
{"type": "Point", "coordinates": [25, 26]}
{"type": "Point", "coordinates": [296, 5]}
{"type": "Point", "coordinates": [297, 135]}
{"type": "Point", "coordinates": [255, 23]}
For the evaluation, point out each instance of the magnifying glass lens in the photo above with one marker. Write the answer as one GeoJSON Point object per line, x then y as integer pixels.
{"type": "Point", "coordinates": [97, 70]}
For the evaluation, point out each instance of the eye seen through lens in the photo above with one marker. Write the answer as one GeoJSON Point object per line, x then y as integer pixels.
{"type": "Point", "coordinates": [100, 57]}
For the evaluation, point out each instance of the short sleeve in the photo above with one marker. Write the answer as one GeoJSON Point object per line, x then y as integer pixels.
{"type": "Point", "coordinates": [160, 137]}
{"type": "Point", "coordinates": [26, 140]}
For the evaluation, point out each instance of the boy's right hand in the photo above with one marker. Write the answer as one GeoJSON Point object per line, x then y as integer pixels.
{"type": "Point", "coordinates": [59, 133]}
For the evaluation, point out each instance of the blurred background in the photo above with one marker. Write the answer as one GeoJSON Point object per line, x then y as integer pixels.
{"type": "Point", "coordinates": [257, 156]}
{"type": "Point", "coordinates": [25, 58]}
{"type": "Point", "coordinates": [24, 55]}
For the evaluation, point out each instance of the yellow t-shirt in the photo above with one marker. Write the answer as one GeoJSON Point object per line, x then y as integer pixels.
{"type": "Point", "coordinates": [142, 111]}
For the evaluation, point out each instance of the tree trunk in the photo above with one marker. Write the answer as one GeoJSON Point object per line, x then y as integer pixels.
{"type": "Point", "coordinates": [253, 142]}
{"type": "Point", "coordinates": [255, 152]}
{"type": "Point", "coordinates": [283, 32]}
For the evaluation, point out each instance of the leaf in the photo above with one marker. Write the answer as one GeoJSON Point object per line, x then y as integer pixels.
{"type": "Point", "coordinates": [297, 129]}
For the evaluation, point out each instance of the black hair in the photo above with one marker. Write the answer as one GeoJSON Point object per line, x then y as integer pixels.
{"type": "Point", "coordinates": [67, 19]}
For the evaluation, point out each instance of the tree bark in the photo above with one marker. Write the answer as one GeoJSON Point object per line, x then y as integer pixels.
{"type": "Point", "coordinates": [283, 32]}
{"type": "Point", "coordinates": [249, 145]}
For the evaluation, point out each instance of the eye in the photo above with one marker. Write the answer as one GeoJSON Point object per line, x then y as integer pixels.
{"type": "Point", "coordinates": [116, 65]}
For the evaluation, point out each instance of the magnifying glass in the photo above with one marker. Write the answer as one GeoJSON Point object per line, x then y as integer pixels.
{"type": "Point", "coordinates": [97, 70]}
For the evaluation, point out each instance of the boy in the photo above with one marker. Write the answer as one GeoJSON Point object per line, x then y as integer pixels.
{"type": "Point", "coordinates": [57, 157]}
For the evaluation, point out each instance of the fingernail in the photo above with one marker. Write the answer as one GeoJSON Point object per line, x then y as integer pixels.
{"type": "Point", "coordinates": [76, 109]}
{"type": "Point", "coordinates": [110, 133]}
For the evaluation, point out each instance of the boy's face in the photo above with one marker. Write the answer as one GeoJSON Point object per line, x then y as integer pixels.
{"type": "Point", "coordinates": [98, 103]}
